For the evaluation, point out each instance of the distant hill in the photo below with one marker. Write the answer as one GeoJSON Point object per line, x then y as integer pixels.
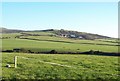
{"type": "Point", "coordinates": [5, 30]}
{"type": "Point", "coordinates": [80, 35]}
{"type": "Point", "coordinates": [61, 33]}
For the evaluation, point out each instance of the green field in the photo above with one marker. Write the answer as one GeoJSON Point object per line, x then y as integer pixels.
{"type": "Point", "coordinates": [40, 67]}
{"type": "Point", "coordinates": [12, 35]}
{"type": "Point", "coordinates": [58, 66]}
{"type": "Point", "coordinates": [49, 45]}
{"type": "Point", "coordinates": [40, 33]}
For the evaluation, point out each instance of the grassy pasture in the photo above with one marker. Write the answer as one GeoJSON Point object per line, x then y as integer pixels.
{"type": "Point", "coordinates": [62, 39]}
{"type": "Point", "coordinates": [59, 46]}
{"type": "Point", "coordinates": [82, 66]}
{"type": "Point", "coordinates": [45, 37]}
{"type": "Point", "coordinates": [12, 35]}
{"type": "Point", "coordinates": [40, 33]}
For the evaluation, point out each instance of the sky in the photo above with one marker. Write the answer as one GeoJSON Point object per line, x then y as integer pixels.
{"type": "Point", "coordinates": [59, 0]}
{"type": "Point", "coordinates": [92, 17]}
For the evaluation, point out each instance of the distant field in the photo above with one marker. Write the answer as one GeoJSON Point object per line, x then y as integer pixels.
{"type": "Point", "coordinates": [62, 39]}
{"type": "Point", "coordinates": [12, 35]}
{"type": "Point", "coordinates": [39, 67]}
{"type": "Point", "coordinates": [49, 45]}
{"type": "Point", "coordinates": [40, 33]}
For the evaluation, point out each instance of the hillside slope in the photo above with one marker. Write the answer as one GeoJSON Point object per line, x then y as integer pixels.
{"type": "Point", "coordinates": [5, 30]}
{"type": "Point", "coordinates": [61, 33]}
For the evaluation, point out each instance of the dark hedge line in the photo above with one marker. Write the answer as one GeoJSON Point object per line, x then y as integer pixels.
{"type": "Point", "coordinates": [91, 52]}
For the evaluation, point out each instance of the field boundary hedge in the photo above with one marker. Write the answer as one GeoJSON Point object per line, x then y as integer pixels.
{"type": "Point", "coordinates": [91, 52]}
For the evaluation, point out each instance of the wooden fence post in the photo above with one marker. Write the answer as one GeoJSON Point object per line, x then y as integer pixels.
{"type": "Point", "coordinates": [15, 61]}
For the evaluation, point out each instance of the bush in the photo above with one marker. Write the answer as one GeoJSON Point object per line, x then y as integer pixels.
{"type": "Point", "coordinates": [16, 49]}
{"type": "Point", "coordinates": [8, 51]}
{"type": "Point", "coordinates": [53, 51]}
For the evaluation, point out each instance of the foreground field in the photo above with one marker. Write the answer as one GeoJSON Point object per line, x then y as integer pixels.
{"type": "Point", "coordinates": [57, 66]}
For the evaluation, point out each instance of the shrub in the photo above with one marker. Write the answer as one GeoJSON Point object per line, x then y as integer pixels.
{"type": "Point", "coordinates": [8, 51]}
{"type": "Point", "coordinates": [53, 51]}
